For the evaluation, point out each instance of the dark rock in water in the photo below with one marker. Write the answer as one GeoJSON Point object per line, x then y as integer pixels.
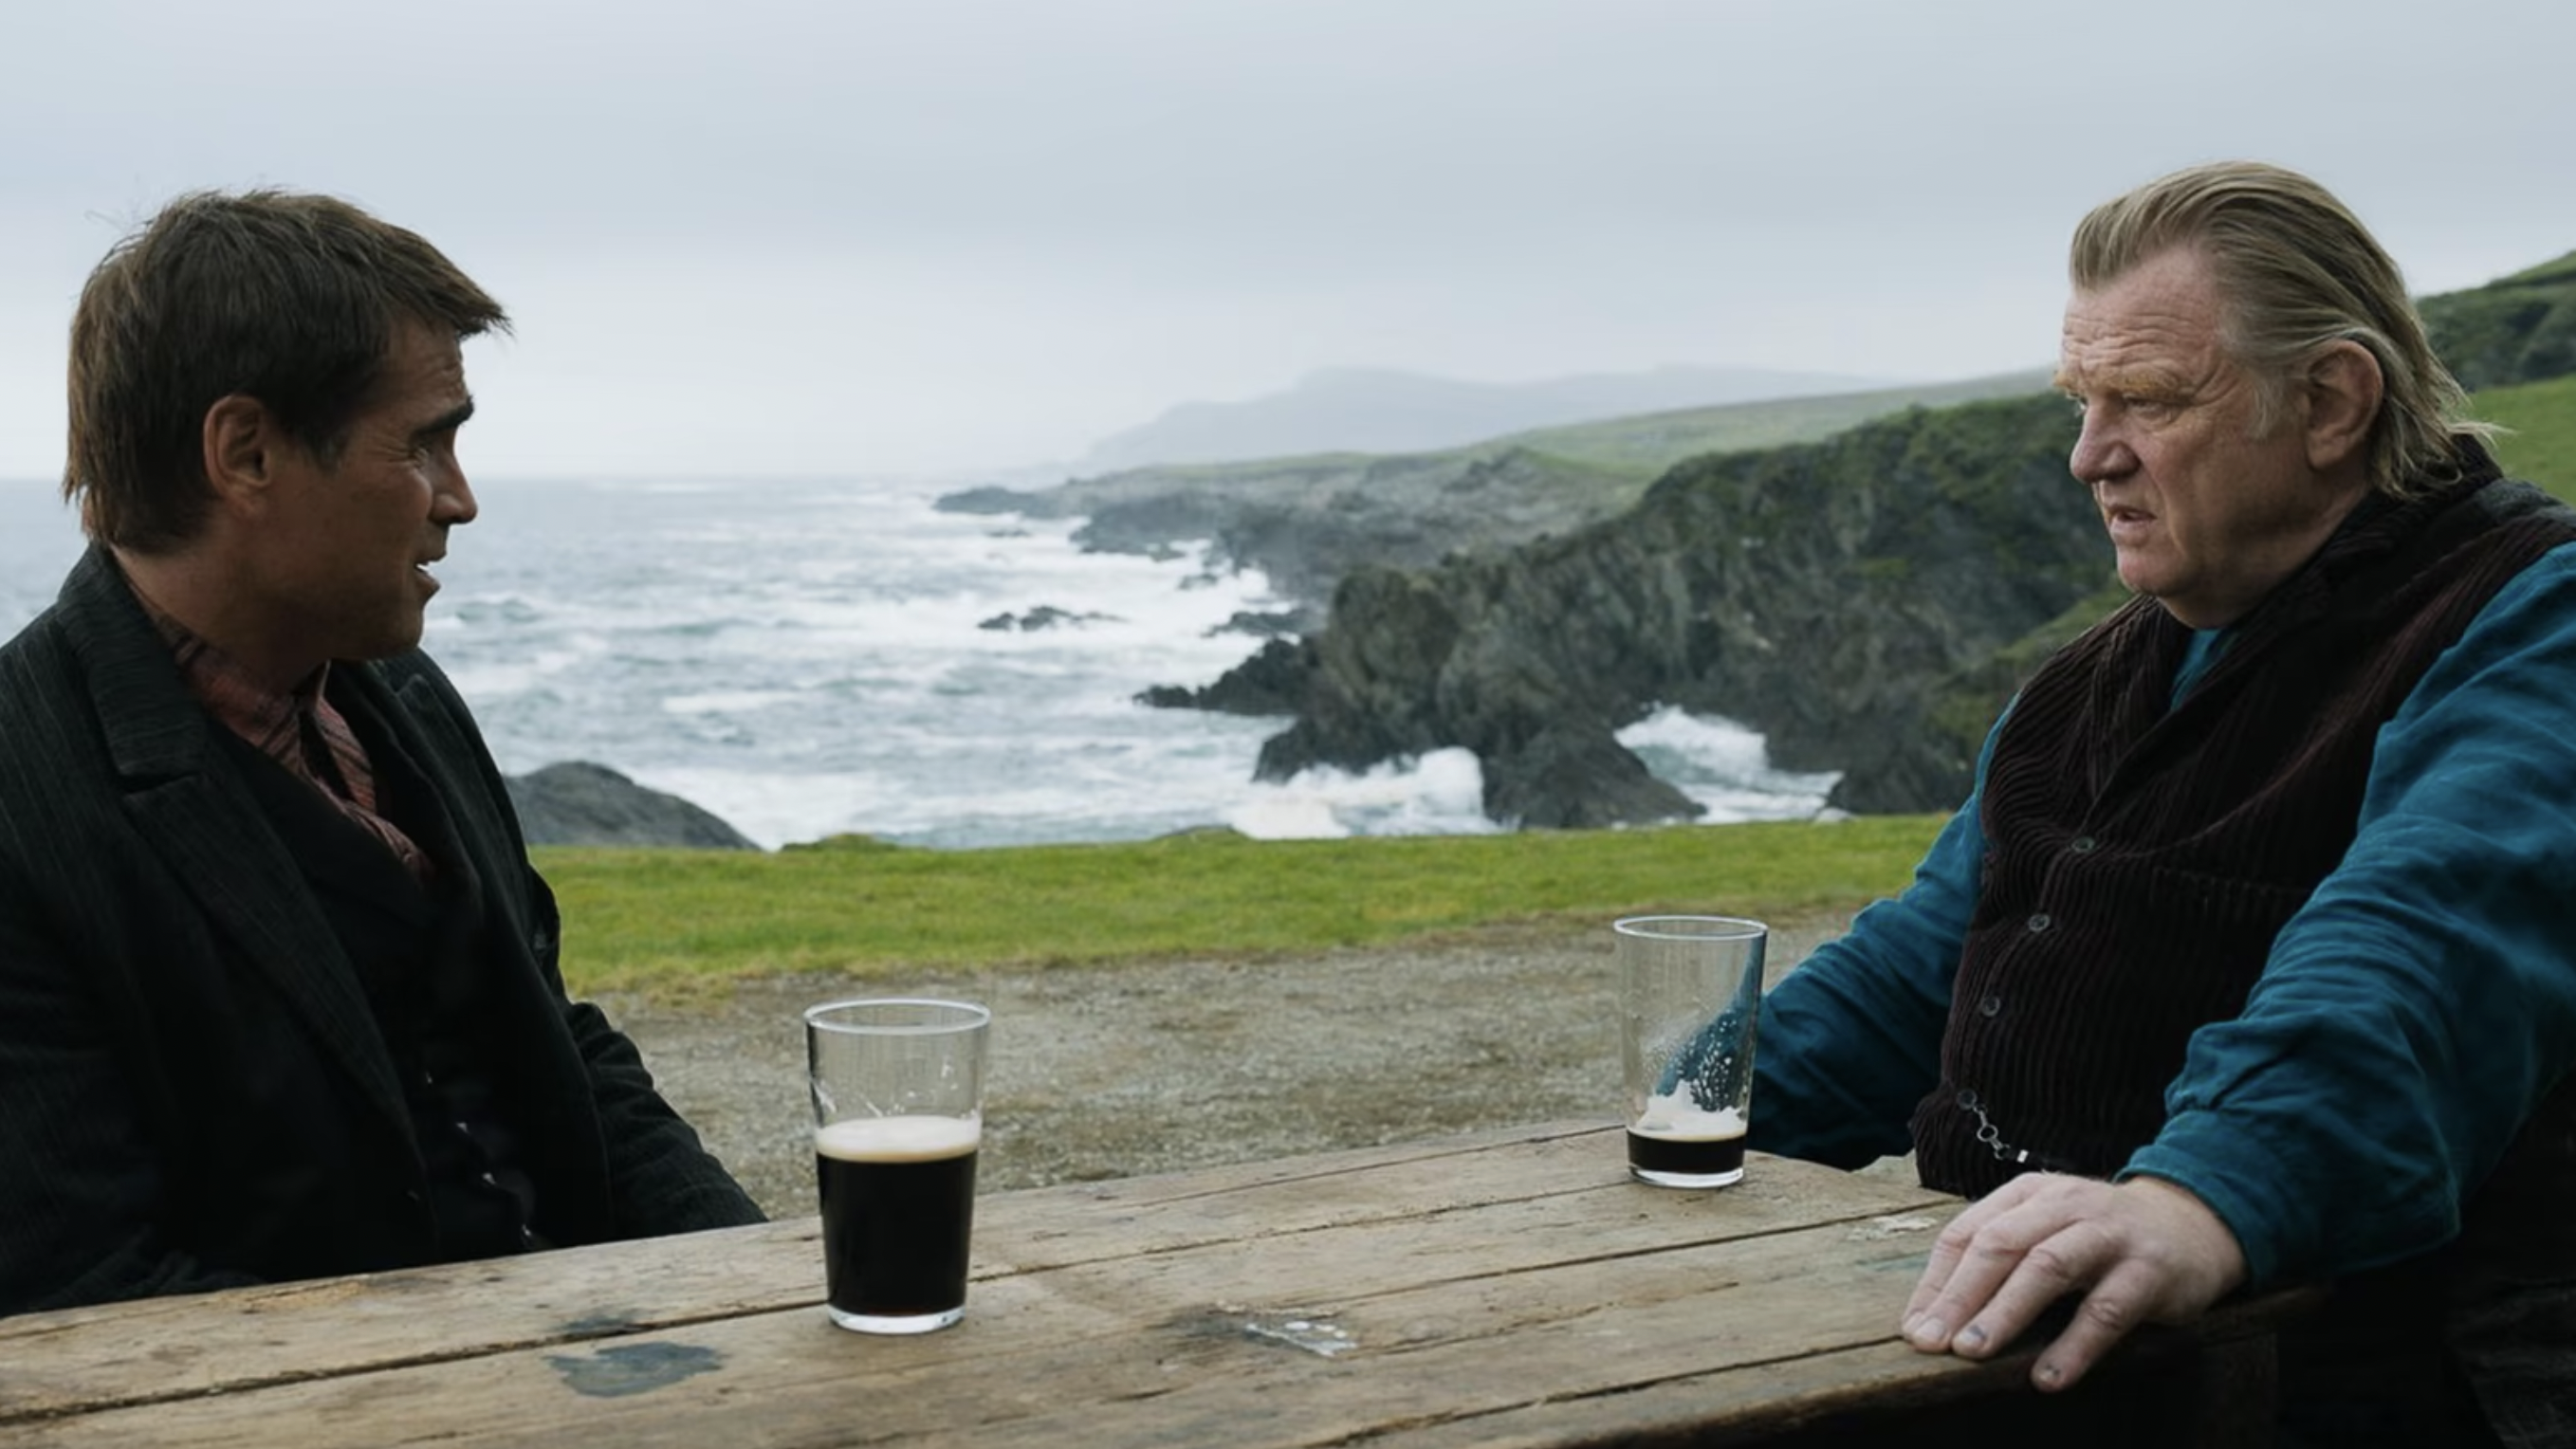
{"type": "Point", "coordinates": [985, 500]}
{"type": "Point", "coordinates": [1830, 596]}
{"type": "Point", "coordinates": [579, 803]}
{"type": "Point", "coordinates": [1270, 624]}
{"type": "Point", "coordinates": [1044, 616]}
{"type": "Point", "coordinates": [1272, 681]}
{"type": "Point", "coordinates": [1578, 778]}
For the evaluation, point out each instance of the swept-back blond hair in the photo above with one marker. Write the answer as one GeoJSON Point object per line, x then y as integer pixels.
{"type": "Point", "coordinates": [2296, 272]}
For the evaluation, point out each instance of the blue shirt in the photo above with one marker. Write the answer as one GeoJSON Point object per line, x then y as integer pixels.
{"type": "Point", "coordinates": [2409, 1017]}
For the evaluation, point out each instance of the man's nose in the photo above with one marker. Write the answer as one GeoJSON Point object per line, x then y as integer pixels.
{"type": "Point", "coordinates": [455, 501]}
{"type": "Point", "coordinates": [2100, 452]}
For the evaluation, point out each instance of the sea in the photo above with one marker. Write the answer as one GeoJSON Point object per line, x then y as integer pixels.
{"type": "Point", "coordinates": [817, 657]}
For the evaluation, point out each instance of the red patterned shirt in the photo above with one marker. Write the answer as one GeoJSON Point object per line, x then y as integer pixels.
{"type": "Point", "coordinates": [299, 729]}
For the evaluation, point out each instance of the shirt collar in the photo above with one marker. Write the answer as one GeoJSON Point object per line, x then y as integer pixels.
{"type": "Point", "coordinates": [265, 716]}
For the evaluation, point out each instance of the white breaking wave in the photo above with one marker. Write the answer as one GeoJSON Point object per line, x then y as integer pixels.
{"type": "Point", "coordinates": [1442, 793]}
{"type": "Point", "coordinates": [1722, 766]}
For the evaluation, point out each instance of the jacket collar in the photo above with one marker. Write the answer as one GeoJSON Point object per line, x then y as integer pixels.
{"type": "Point", "coordinates": [190, 804]}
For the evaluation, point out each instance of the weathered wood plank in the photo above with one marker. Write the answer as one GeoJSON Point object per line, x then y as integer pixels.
{"type": "Point", "coordinates": [1508, 1289]}
{"type": "Point", "coordinates": [2165, 1387]}
{"type": "Point", "coordinates": [1183, 1346]}
{"type": "Point", "coordinates": [1148, 1215]}
{"type": "Point", "coordinates": [178, 1347]}
{"type": "Point", "coordinates": [54, 1363]}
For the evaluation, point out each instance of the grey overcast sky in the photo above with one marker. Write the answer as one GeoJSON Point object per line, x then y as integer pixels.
{"type": "Point", "coordinates": [851, 237]}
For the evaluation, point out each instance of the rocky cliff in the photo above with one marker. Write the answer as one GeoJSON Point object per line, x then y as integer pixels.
{"type": "Point", "coordinates": [1834, 596]}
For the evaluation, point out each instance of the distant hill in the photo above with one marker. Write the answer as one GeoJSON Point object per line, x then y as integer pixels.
{"type": "Point", "coordinates": [1652, 442]}
{"type": "Point", "coordinates": [1305, 520]}
{"type": "Point", "coordinates": [2513, 330]}
{"type": "Point", "coordinates": [1369, 410]}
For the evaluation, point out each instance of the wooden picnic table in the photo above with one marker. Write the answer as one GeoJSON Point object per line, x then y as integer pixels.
{"type": "Point", "coordinates": [1505, 1288]}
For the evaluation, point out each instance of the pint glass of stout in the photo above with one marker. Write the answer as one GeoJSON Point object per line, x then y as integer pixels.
{"type": "Point", "coordinates": [1690, 998]}
{"type": "Point", "coordinates": [898, 1091]}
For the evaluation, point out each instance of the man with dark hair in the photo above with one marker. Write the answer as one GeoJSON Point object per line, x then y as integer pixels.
{"type": "Point", "coordinates": [278, 985]}
{"type": "Point", "coordinates": [2250, 959]}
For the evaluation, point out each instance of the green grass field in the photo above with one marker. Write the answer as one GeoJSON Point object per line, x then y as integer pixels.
{"type": "Point", "coordinates": [664, 920]}
{"type": "Point", "coordinates": [2542, 443]}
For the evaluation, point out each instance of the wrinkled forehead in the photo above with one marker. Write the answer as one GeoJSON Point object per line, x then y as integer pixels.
{"type": "Point", "coordinates": [421, 375]}
{"type": "Point", "coordinates": [2165, 312]}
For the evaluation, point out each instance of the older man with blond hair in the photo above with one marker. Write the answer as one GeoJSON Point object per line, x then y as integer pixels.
{"type": "Point", "coordinates": [2249, 959]}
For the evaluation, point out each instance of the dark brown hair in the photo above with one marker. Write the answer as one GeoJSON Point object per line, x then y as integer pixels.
{"type": "Point", "coordinates": [292, 300]}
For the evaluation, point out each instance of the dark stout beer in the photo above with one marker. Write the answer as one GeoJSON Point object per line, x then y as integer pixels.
{"type": "Point", "coordinates": [1677, 1143]}
{"type": "Point", "coordinates": [898, 1207]}
{"type": "Point", "coordinates": [1652, 1152]}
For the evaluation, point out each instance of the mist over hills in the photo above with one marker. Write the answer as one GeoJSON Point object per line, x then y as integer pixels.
{"type": "Point", "coordinates": [1374, 410]}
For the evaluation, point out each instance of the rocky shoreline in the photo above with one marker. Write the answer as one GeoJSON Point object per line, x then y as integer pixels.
{"type": "Point", "coordinates": [1847, 600]}
{"type": "Point", "coordinates": [1866, 603]}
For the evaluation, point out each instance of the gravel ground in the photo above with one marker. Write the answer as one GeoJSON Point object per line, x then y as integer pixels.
{"type": "Point", "coordinates": [1116, 1071]}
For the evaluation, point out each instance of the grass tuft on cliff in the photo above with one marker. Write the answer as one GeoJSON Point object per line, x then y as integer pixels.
{"type": "Point", "coordinates": [677, 920]}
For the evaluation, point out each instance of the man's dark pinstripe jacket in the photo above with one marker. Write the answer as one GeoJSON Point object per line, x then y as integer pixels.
{"type": "Point", "coordinates": [193, 1089]}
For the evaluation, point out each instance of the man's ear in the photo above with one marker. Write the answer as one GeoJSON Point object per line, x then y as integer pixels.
{"type": "Point", "coordinates": [2344, 388]}
{"type": "Point", "coordinates": [241, 439]}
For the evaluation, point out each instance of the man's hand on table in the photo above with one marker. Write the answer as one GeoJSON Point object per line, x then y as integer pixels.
{"type": "Point", "coordinates": [2143, 1251]}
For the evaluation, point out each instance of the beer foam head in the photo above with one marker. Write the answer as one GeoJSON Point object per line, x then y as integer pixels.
{"type": "Point", "coordinates": [899, 1139]}
{"type": "Point", "coordinates": [1676, 1116]}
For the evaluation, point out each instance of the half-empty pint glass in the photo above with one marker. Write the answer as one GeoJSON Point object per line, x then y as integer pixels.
{"type": "Point", "coordinates": [898, 1115]}
{"type": "Point", "coordinates": [1690, 997]}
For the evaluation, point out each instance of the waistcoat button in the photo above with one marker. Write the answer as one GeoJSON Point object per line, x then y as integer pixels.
{"type": "Point", "coordinates": [2082, 844]}
{"type": "Point", "coordinates": [1991, 1006]}
{"type": "Point", "coordinates": [2039, 922]}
